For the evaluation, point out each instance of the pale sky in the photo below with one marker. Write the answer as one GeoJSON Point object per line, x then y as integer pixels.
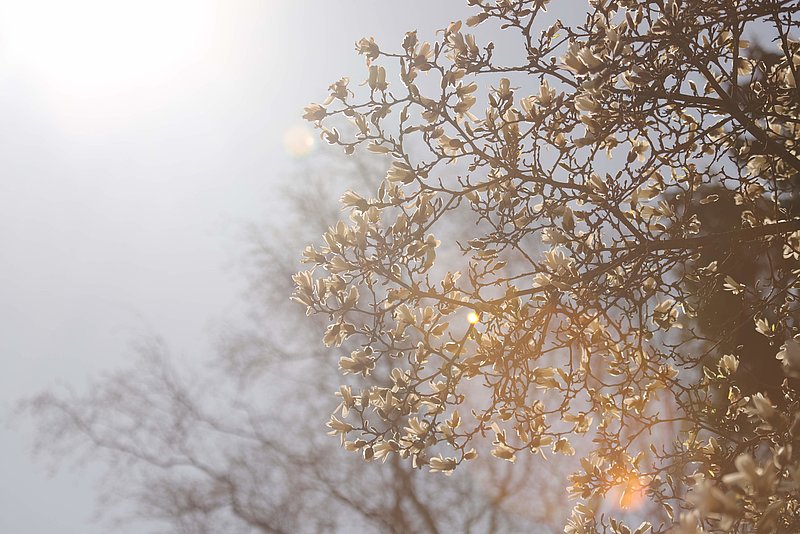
{"type": "Point", "coordinates": [136, 139]}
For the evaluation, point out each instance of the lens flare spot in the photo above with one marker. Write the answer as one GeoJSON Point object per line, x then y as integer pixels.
{"type": "Point", "coordinates": [473, 318]}
{"type": "Point", "coordinates": [298, 141]}
{"type": "Point", "coordinates": [631, 494]}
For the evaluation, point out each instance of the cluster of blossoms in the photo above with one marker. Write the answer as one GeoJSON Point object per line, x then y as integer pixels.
{"type": "Point", "coordinates": [535, 267]}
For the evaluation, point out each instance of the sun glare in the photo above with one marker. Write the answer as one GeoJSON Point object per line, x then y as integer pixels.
{"type": "Point", "coordinates": [631, 494]}
{"type": "Point", "coordinates": [473, 318]}
{"type": "Point", "coordinates": [99, 50]}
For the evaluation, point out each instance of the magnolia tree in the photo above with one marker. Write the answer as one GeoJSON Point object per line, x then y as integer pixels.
{"type": "Point", "coordinates": [575, 177]}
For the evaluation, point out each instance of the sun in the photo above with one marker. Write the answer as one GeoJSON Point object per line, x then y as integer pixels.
{"type": "Point", "coordinates": [94, 51]}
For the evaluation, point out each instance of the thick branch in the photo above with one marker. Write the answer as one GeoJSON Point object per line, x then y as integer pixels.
{"type": "Point", "coordinates": [687, 243]}
{"type": "Point", "coordinates": [739, 235]}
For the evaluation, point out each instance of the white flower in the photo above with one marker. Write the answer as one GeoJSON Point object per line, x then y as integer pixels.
{"type": "Point", "coordinates": [665, 314]}
{"type": "Point", "coordinates": [586, 103]}
{"type": "Point", "coordinates": [711, 500]}
{"type": "Point", "coordinates": [339, 427]}
{"type": "Point", "coordinates": [439, 464]}
{"type": "Point", "coordinates": [791, 248]}
{"type": "Point", "coordinates": [400, 172]}
{"type": "Point", "coordinates": [728, 364]}
{"type": "Point", "coordinates": [763, 406]}
{"type": "Point", "coordinates": [640, 148]}
{"type": "Point", "coordinates": [359, 361]}
{"type": "Point", "coordinates": [383, 449]}
{"type": "Point", "coordinates": [750, 477]}
{"type": "Point", "coordinates": [733, 286]}
{"type": "Point", "coordinates": [764, 328]}
{"type": "Point", "coordinates": [789, 355]}
{"type": "Point", "coordinates": [504, 452]}
{"type": "Point", "coordinates": [564, 447]}
{"type": "Point", "coordinates": [314, 112]}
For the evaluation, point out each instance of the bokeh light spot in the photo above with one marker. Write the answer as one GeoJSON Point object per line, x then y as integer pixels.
{"type": "Point", "coordinates": [298, 140]}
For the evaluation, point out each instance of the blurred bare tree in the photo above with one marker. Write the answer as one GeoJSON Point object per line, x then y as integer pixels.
{"type": "Point", "coordinates": [236, 444]}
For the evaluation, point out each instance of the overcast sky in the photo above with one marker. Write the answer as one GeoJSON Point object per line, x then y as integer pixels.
{"type": "Point", "coordinates": [136, 139]}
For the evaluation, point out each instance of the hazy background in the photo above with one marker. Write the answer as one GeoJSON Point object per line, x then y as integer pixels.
{"type": "Point", "coordinates": [137, 138]}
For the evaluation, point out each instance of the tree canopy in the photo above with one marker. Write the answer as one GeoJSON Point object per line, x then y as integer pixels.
{"type": "Point", "coordinates": [540, 265]}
